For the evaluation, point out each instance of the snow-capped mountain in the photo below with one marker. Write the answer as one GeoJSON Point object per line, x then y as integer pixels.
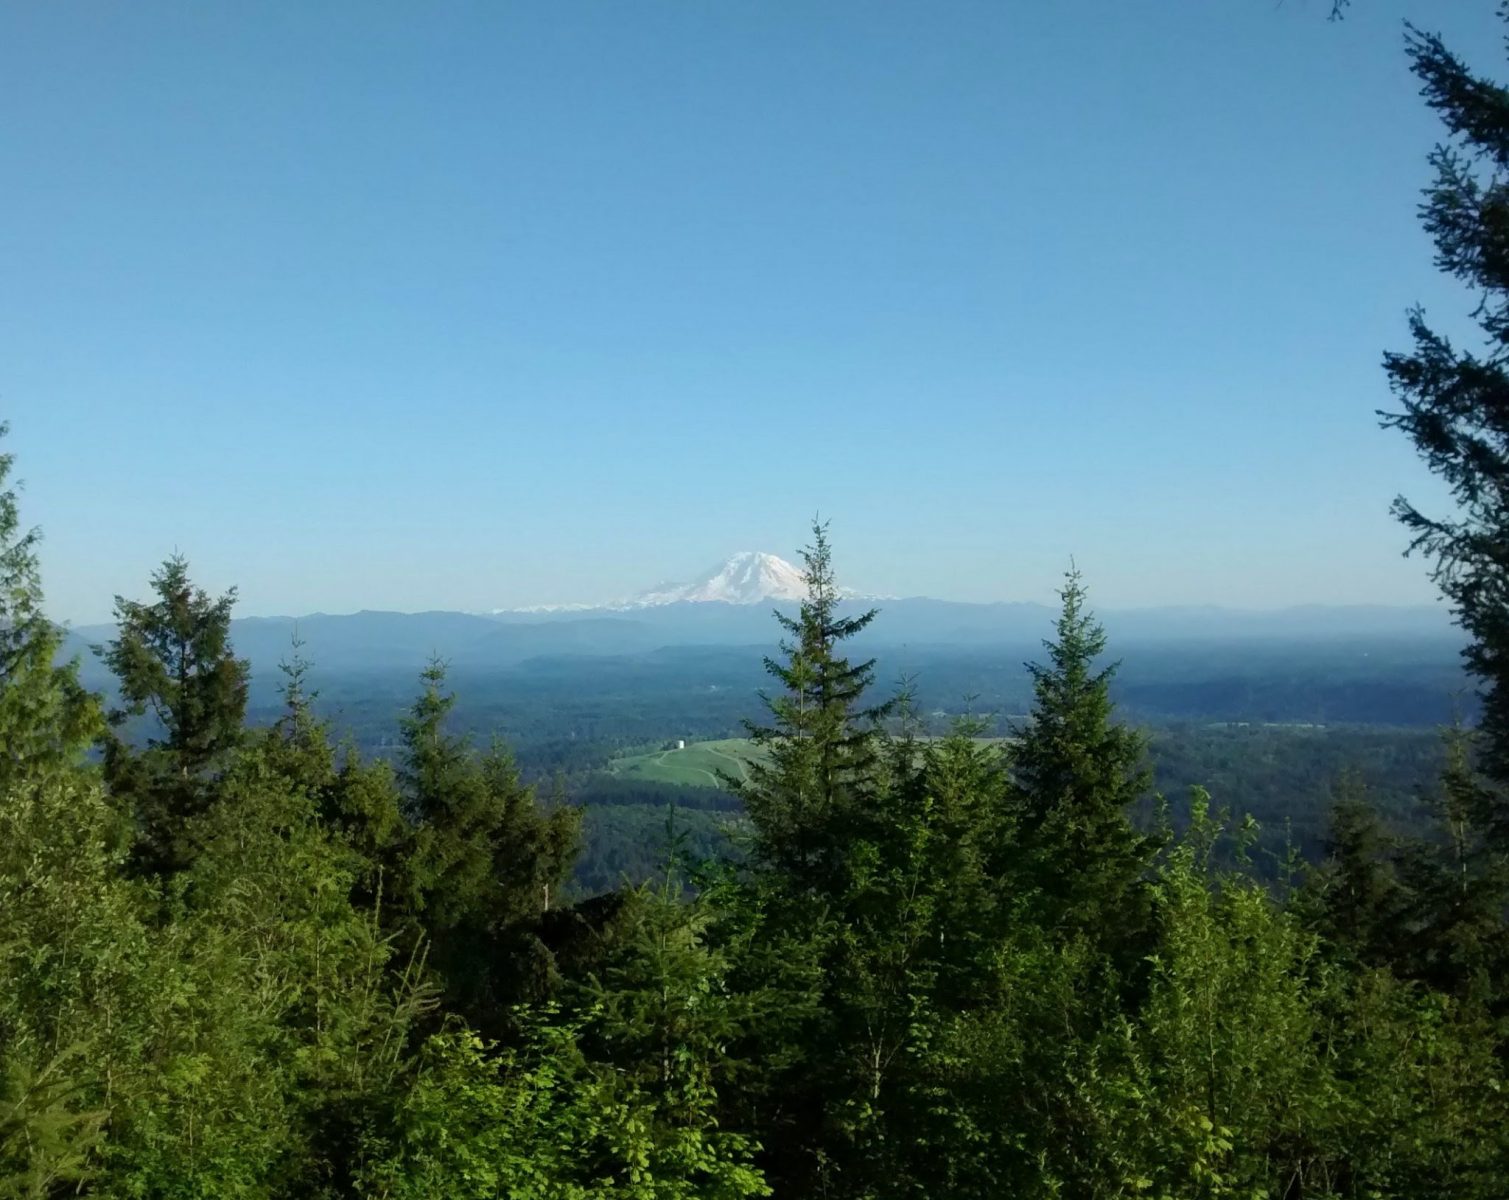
{"type": "Point", "coordinates": [749, 577]}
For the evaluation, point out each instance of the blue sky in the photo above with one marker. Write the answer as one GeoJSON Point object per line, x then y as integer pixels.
{"type": "Point", "coordinates": [467, 305]}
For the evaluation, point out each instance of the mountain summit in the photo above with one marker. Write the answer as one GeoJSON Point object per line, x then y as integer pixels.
{"type": "Point", "coordinates": [748, 577]}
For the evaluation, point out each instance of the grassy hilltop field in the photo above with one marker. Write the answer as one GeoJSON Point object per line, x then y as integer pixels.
{"type": "Point", "coordinates": [699, 764]}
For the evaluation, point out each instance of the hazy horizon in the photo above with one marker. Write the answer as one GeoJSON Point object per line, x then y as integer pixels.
{"type": "Point", "coordinates": [473, 307]}
{"type": "Point", "coordinates": [622, 604]}
{"type": "Point", "coordinates": [1044, 594]}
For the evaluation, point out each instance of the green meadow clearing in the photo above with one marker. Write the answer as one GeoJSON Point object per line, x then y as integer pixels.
{"type": "Point", "coordinates": [701, 764]}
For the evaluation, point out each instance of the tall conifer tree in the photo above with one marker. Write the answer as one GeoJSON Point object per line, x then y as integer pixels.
{"type": "Point", "coordinates": [821, 745]}
{"type": "Point", "coordinates": [1077, 773]}
{"type": "Point", "coordinates": [487, 860]}
{"type": "Point", "coordinates": [68, 928]}
{"type": "Point", "coordinates": [1356, 894]}
{"type": "Point", "coordinates": [1454, 403]}
{"type": "Point", "coordinates": [1454, 407]}
{"type": "Point", "coordinates": [46, 717]}
{"type": "Point", "coordinates": [174, 661]}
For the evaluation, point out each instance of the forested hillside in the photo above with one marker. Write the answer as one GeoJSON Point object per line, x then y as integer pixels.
{"type": "Point", "coordinates": [245, 961]}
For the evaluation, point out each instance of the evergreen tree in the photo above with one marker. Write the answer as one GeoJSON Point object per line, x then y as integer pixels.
{"type": "Point", "coordinates": [821, 748]}
{"type": "Point", "coordinates": [1076, 774]}
{"type": "Point", "coordinates": [1255, 1066]}
{"type": "Point", "coordinates": [364, 805]}
{"type": "Point", "coordinates": [487, 861]}
{"type": "Point", "coordinates": [1451, 930]}
{"type": "Point", "coordinates": [874, 916]}
{"type": "Point", "coordinates": [968, 800]}
{"type": "Point", "coordinates": [657, 1011]}
{"type": "Point", "coordinates": [1355, 897]}
{"type": "Point", "coordinates": [298, 742]}
{"type": "Point", "coordinates": [173, 660]}
{"type": "Point", "coordinates": [283, 1012]}
{"type": "Point", "coordinates": [812, 797]}
{"type": "Point", "coordinates": [1454, 403]}
{"type": "Point", "coordinates": [1454, 407]}
{"type": "Point", "coordinates": [45, 715]}
{"type": "Point", "coordinates": [913, 943]}
{"type": "Point", "coordinates": [71, 938]}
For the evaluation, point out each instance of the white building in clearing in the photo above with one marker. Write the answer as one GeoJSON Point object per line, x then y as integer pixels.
{"type": "Point", "coordinates": [681, 743]}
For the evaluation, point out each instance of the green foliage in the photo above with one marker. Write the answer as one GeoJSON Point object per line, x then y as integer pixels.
{"type": "Point", "coordinates": [73, 962]}
{"type": "Point", "coordinates": [1224, 1059]}
{"type": "Point", "coordinates": [544, 1123]}
{"type": "Point", "coordinates": [1454, 403]}
{"type": "Point", "coordinates": [1267, 1063]}
{"type": "Point", "coordinates": [46, 1139]}
{"type": "Point", "coordinates": [487, 859]}
{"type": "Point", "coordinates": [623, 845]}
{"type": "Point", "coordinates": [364, 806]}
{"type": "Point", "coordinates": [71, 941]}
{"type": "Point", "coordinates": [935, 966]}
{"type": "Point", "coordinates": [659, 1012]}
{"type": "Point", "coordinates": [173, 660]}
{"type": "Point", "coordinates": [278, 1009]}
{"type": "Point", "coordinates": [45, 716]}
{"type": "Point", "coordinates": [1077, 775]}
{"type": "Point", "coordinates": [819, 755]}
{"type": "Point", "coordinates": [1430, 908]}
{"type": "Point", "coordinates": [612, 1094]}
{"type": "Point", "coordinates": [1355, 898]}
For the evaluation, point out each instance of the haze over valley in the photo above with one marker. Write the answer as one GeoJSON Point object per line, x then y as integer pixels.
{"type": "Point", "coordinates": [731, 605]}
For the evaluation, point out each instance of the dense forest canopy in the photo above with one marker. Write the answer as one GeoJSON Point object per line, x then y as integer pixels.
{"type": "Point", "coordinates": [245, 958]}
{"type": "Point", "coordinates": [893, 963]}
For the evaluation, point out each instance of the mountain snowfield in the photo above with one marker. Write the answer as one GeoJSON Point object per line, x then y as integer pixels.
{"type": "Point", "coordinates": [748, 577]}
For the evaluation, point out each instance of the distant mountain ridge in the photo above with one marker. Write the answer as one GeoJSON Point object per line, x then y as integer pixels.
{"type": "Point", "coordinates": [730, 605]}
{"type": "Point", "coordinates": [376, 642]}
